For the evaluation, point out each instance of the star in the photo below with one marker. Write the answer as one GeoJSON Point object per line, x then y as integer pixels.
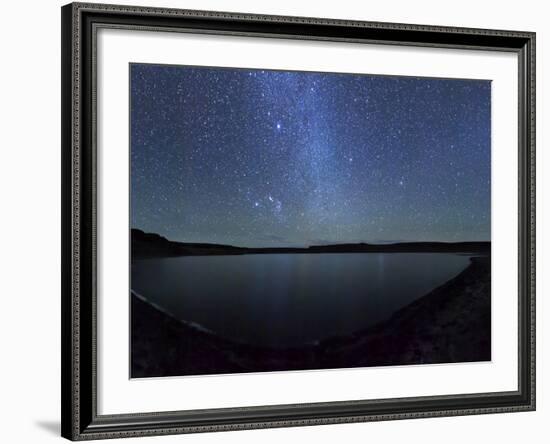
{"type": "Point", "coordinates": [227, 155]}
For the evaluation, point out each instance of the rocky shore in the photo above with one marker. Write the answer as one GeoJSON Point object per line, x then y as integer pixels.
{"type": "Point", "coordinates": [452, 323]}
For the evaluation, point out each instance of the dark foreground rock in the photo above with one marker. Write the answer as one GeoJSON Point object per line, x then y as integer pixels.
{"type": "Point", "coordinates": [450, 324]}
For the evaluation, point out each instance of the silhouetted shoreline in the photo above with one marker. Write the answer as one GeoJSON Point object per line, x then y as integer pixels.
{"type": "Point", "coordinates": [452, 323]}
{"type": "Point", "coordinates": [147, 245]}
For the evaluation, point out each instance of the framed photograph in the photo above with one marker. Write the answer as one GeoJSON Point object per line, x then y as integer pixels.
{"type": "Point", "coordinates": [279, 221]}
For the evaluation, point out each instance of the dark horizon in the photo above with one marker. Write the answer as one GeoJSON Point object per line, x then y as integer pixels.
{"type": "Point", "coordinates": [254, 157]}
{"type": "Point", "coordinates": [305, 246]}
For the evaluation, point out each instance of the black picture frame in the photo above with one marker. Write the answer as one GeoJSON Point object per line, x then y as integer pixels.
{"type": "Point", "coordinates": [80, 419]}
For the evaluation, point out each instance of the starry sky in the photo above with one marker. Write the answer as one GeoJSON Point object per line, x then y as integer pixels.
{"type": "Point", "coordinates": [283, 158]}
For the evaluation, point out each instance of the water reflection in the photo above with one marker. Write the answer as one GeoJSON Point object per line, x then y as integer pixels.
{"type": "Point", "coordinates": [291, 299]}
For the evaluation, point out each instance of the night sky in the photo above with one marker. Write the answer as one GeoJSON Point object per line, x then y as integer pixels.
{"type": "Point", "coordinates": [279, 158]}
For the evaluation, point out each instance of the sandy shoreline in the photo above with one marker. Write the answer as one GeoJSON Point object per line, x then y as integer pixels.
{"type": "Point", "coordinates": [452, 323]}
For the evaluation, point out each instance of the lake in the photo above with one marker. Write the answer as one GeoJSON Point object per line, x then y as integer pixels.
{"type": "Point", "coordinates": [283, 300]}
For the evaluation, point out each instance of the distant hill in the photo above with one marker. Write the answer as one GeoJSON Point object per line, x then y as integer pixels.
{"type": "Point", "coordinates": [154, 245]}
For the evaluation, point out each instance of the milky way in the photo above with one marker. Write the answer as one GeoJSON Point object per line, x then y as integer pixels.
{"type": "Point", "coordinates": [277, 158]}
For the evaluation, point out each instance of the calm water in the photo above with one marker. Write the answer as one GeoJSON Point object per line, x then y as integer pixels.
{"type": "Point", "coordinates": [291, 299]}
